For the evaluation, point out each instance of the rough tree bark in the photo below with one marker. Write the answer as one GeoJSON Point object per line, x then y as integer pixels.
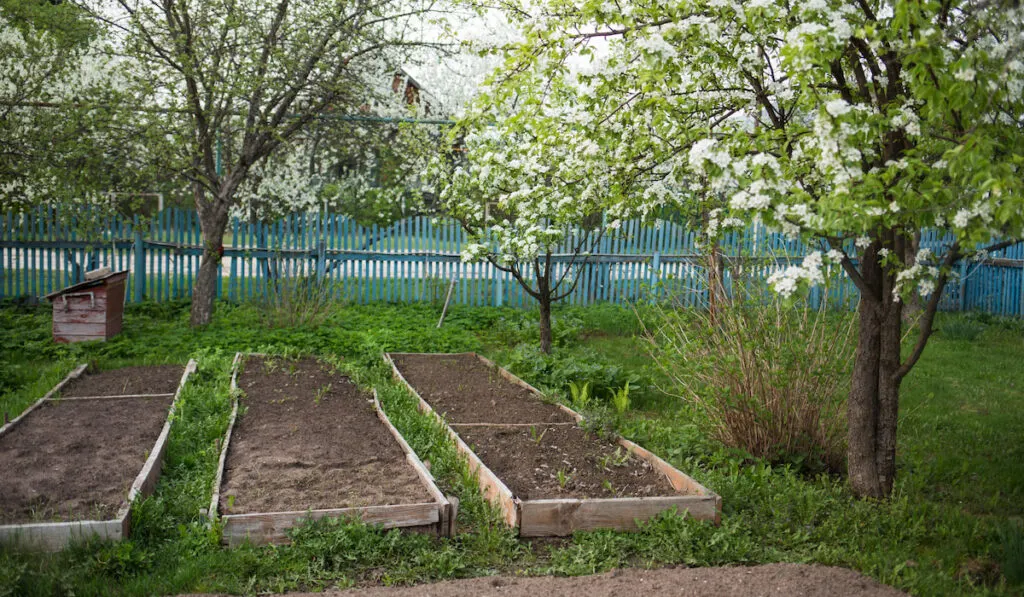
{"type": "Point", "coordinates": [544, 301]}
{"type": "Point", "coordinates": [873, 406]}
{"type": "Point", "coordinates": [213, 221]}
{"type": "Point", "coordinates": [545, 325]}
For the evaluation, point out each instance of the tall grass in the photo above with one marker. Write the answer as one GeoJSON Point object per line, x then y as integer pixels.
{"type": "Point", "coordinates": [295, 296]}
{"type": "Point", "coordinates": [769, 376]}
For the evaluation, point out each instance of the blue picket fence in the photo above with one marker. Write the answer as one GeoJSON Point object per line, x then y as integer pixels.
{"type": "Point", "coordinates": [417, 258]}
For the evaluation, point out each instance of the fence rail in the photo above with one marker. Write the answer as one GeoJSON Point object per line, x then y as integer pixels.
{"type": "Point", "coordinates": [416, 258]}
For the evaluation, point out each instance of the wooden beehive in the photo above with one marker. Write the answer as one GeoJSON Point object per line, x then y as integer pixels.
{"type": "Point", "coordinates": [90, 310]}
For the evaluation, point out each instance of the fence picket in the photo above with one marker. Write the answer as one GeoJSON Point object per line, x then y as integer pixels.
{"type": "Point", "coordinates": [414, 259]}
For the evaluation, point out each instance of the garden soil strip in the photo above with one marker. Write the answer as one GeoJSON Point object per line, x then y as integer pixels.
{"type": "Point", "coordinates": [464, 389]}
{"type": "Point", "coordinates": [127, 381]}
{"type": "Point", "coordinates": [548, 478]}
{"type": "Point", "coordinates": [775, 580]}
{"type": "Point", "coordinates": [72, 467]}
{"type": "Point", "coordinates": [307, 442]}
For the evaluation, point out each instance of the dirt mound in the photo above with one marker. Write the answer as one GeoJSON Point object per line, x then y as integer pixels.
{"type": "Point", "coordinates": [790, 580]}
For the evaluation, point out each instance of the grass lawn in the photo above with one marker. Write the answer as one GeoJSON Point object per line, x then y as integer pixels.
{"type": "Point", "coordinates": [952, 526]}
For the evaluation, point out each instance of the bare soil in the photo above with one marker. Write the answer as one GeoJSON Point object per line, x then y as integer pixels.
{"type": "Point", "coordinates": [158, 379]}
{"type": "Point", "coordinates": [781, 580]}
{"type": "Point", "coordinates": [77, 459]}
{"type": "Point", "coordinates": [308, 438]}
{"type": "Point", "coordinates": [559, 461]}
{"type": "Point", "coordinates": [538, 461]}
{"type": "Point", "coordinates": [465, 390]}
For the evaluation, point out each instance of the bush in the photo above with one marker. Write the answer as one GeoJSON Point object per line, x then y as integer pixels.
{"type": "Point", "coordinates": [961, 328]}
{"type": "Point", "coordinates": [295, 296]}
{"type": "Point", "coordinates": [768, 377]}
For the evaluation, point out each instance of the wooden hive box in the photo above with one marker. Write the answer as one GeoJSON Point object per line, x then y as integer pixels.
{"type": "Point", "coordinates": [90, 310]}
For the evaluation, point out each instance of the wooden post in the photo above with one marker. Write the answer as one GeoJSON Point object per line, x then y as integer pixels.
{"type": "Point", "coordinates": [321, 258]}
{"type": "Point", "coordinates": [139, 285]}
{"type": "Point", "coordinates": [963, 285]}
{"type": "Point", "coordinates": [655, 274]}
{"type": "Point", "coordinates": [1020, 292]}
{"type": "Point", "coordinates": [499, 288]}
{"type": "Point", "coordinates": [444, 310]}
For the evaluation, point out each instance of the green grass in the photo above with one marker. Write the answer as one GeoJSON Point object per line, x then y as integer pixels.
{"type": "Point", "coordinates": [951, 528]}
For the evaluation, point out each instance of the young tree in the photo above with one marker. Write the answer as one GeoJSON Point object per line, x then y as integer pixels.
{"type": "Point", "coordinates": [851, 124]}
{"type": "Point", "coordinates": [534, 191]}
{"type": "Point", "coordinates": [236, 80]}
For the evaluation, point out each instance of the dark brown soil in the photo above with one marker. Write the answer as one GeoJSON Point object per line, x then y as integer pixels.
{"type": "Point", "coordinates": [465, 390]}
{"type": "Point", "coordinates": [77, 459]}
{"type": "Point", "coordinates": [772, 580]}
{"type": "Point", "coordinates": [310, 439]}
{"type": "Point", "coordinates": [535, 462]}
{"type": "Point", "coordinates": [158, 379]}
{"type": "Point", "coordinates": [559, 461]}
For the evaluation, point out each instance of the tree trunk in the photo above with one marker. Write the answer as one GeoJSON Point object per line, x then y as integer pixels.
{"type": "Point", "coordinates": [545, 323]}
{"type": "Point", "coordinates": [213, 221]}
{"type": "Point", "coordinates": [873, 405]}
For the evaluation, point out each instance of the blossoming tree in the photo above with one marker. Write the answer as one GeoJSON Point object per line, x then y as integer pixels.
{"type": "Point", "coordinates": [850, 124]}
{"type": "Point", "coordinates": [233, 82]}
{"type": "Point", "coordinates": [57, 141]}
{"type": "Point", "coordinates": [535, 187]}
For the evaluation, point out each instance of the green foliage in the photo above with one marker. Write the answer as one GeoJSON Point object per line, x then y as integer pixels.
{"type": "Point", "coordinates": [961, 328]}
{"type": "Point", "coordinates": [297, 297]}
{"type": "Point", "coordinates": [1011, 538]}
{"type": "Point", "coordinates": [768, 378]}
{"type": "Point", "coordinates": [558, 370]}
{"type": "Point", "coordinates": [580, 395]}
{"type": "Point", "coordinates": [961, 484]}
{"type": "Point", "coordinates": [620, 399]}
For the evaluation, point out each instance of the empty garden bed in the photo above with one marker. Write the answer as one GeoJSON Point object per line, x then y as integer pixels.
{"type": "Point", "coordinates": [76, 459]}
{"type": "Point", "coordinates": [305, 442]}
{"type": "Point", "coordinates": [548, 475]}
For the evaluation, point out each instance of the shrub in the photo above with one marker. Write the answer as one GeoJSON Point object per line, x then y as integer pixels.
{"type": "Point", "coordinates": [294, 296]}
{"type": "Point", "coordinates": [767, 376]}
{"type": "Point", "coordinates": [961, 328]}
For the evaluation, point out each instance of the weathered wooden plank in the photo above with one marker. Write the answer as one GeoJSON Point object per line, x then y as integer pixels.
{"type": "Point", "coordinates": [680, 481]}
{"type": "Point", "coordinates": [215, 500]}
{"type": "Point", "coordinates": [491, 486]}
{"type": "Point", "coordinates": [63, 398]}
{"type": "Point", "coordinates": [508, 424]}
{"type": "Point", "coordinates": [427, 479]}
{"type": "Point", "coordinates": [54, 536]}
{"type": "Point", "coordinates": [79, 329]}
{"type": "Point", "coordinates": [558, 518]}
{"type": "Point", "coordinates": [145, 483]}
{"type": "Point", "coordinates": [88, 316]}
{"type": "Point", "coordinates": [271, 527]}
{"type": "Point", "coordinates": [79, 304]}
{"type": "Point", "coordinates": [53, 391]}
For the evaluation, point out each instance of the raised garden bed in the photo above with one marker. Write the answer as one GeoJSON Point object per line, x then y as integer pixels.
{"type": "Point", "coordinates": [548, 476]}
{"type": "Point", "coordinates": [308, 443]}
{"type": "Point", "coordinates": [76, 460]}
